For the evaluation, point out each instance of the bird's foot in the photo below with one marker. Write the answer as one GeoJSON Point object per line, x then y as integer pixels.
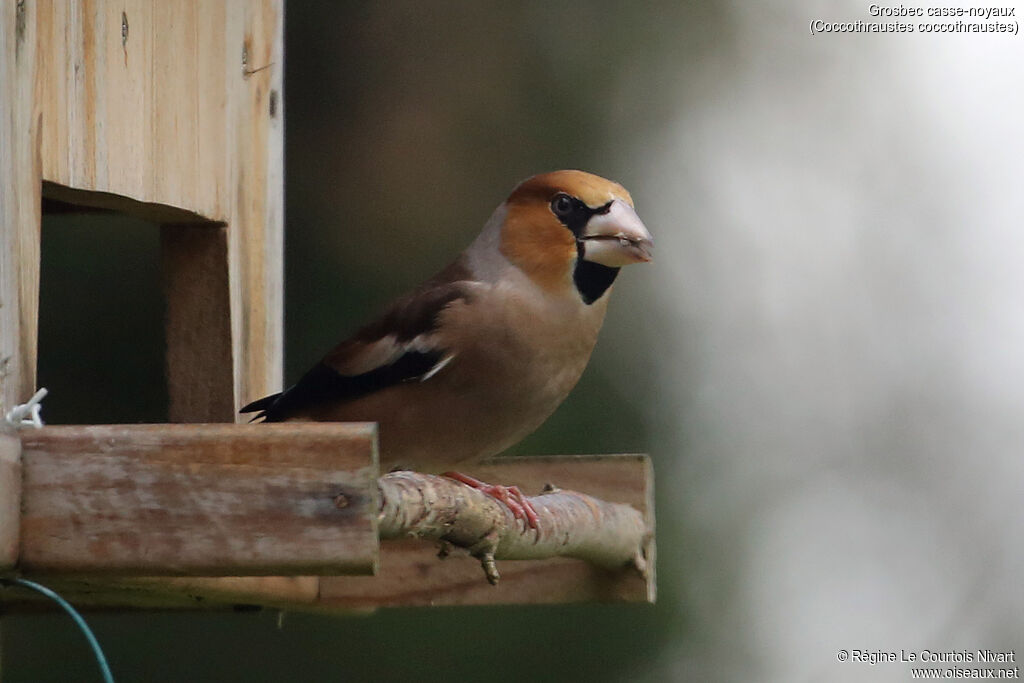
{"type": "Point", "coordinates": [510, 496]}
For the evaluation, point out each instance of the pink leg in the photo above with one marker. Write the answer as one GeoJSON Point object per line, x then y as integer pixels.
{"type": "Point", "coordinates": [510, 496]}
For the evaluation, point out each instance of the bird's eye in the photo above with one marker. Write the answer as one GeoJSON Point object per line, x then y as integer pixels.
{"type": "Point", "coordinates": [562, 205]}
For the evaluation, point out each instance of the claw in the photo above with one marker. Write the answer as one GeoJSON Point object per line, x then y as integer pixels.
{"type": "Point", "coordinates": [509, 496]}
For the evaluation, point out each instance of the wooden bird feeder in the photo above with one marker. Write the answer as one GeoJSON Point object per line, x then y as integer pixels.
{"type": "Point", "coordinates": [173, 112]}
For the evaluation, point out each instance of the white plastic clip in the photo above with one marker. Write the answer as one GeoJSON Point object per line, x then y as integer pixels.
{"type": "Point", "coordinates": [27, 414]}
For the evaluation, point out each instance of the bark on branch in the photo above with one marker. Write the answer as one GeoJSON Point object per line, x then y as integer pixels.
{"type": "Point", "coordinates": [572, 524]}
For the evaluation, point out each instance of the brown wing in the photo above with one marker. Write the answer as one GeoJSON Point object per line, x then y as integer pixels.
{"type": "Point", "coordinates": [397, 347]}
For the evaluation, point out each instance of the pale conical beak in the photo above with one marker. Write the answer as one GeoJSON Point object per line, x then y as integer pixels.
{"type": "Point", "coordinates": [616, 237]}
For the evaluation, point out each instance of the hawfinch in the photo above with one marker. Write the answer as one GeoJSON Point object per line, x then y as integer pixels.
{"type": "Point", "coordinates": [477, 357]}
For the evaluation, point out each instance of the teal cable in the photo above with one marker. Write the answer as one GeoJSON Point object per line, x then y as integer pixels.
{"type": "Point", "coordinates": [101, 660]}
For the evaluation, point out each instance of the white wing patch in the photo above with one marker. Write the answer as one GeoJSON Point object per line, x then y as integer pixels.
{"type": "Point", "coordinates": [386, 351]}
{"type": "Point", "coordinates": [437, 367]}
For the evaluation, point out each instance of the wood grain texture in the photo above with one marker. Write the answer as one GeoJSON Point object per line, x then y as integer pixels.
{"type": "Point", "coordinates": [284, 592]}
{"type": "Point", "coordinates": [256, 239]}
{"type": "Point", "coordinates": [200, 500]}
{"type": "Point", "coordinates": [119, 95]}
{"type": "Point", "coordinates": [19, 204]}
{"type": "Point", "coordinates": [411, 574]}
{"type": "Point", "coordinates": [10, 498]}
{"type": "Point", "coordinates": [198, 330]}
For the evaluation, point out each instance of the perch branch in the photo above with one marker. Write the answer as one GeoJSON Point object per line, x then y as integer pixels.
{"type": "Point", "coordinates": [572, 524]}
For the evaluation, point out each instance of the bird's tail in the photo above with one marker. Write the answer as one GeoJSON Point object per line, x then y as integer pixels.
{"type": "Point", "coordinates": [261, 407]}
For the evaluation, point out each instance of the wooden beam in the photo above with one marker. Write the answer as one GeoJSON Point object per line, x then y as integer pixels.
{"type": "Point", "coordinates": [411, 574]}
{"type": "Point", "coordinates": [200, 500]}
{"type": "Point", "coordinates": [200, 375]}
{"type": "Point", "coordinates": [284, 592]}
{"type": "Point", "coordinates": [10, 498]}
{"type": "Point", "coordinates": [255, 39]}
{"type": "Point", "coordinates": [19, 204]}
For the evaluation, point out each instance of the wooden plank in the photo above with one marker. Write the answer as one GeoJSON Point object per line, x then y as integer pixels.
{"type": "Point", "coordinates": [10, 498]}
{"type": "Point", "coordinates": [199, 369]}
{"type": "Point", "coordinates": [51, 86]}
{"type": "Point", "coordinates": [200, 500]}
{"type": "Point", "coordinates": [174, 127]}
{"type": "Point", "coordinates": [20, 218]}
{"type": "Point", "coordinates": [411, 574]}
{"type": "Point", "coordinates": [284, 592]}
{"type": "Point", "coordinates": [118, 95]}
{"type": "Point", "coordinates": [125, 160]}
{"type": "Point", "coordinates": [256, 239]}
{"type": "Point", "coordinates": [216, 59]}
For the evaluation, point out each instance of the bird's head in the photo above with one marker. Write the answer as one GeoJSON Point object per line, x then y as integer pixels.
{"type": "Point", "coordinates": [572, 224]}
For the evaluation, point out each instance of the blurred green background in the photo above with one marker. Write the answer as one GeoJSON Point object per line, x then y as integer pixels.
{"type": "Point", "coordinates": [824, 361]}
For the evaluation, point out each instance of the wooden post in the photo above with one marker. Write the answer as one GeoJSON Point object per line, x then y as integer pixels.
{"type": "Point", "coordinates": [19, 204]}
{"type": "Point", "coordinates": [10, 499]}
{"type": "Point", "coordinates": [197, 289]}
